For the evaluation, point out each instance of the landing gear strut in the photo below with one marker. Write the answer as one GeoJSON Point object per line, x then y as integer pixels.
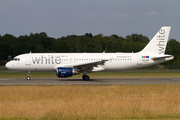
{"type": "Point", "coordinates": [85, 77]}
{"type": "Point", "coordinates": [28, 76]}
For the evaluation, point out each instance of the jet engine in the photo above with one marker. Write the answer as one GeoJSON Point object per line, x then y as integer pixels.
{"type": "Point", "coordinates": [66, 72]}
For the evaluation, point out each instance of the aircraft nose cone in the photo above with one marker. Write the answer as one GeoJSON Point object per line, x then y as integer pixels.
{"type": "Point", "coordinates": [8, 65]}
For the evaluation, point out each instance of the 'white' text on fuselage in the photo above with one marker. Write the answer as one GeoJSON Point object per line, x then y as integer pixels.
{"type": "Point", "coordinates": [46, 60]}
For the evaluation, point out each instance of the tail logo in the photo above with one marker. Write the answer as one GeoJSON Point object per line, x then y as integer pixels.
{"type": "Point", "coordinates": [161, 39]}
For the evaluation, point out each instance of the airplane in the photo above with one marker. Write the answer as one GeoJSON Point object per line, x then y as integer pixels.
{"type": "Point", "coordinates": [69, 64]}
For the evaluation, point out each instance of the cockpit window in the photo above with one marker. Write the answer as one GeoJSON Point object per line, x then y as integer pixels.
{"type": "Point", "coordinates": [16, 59]}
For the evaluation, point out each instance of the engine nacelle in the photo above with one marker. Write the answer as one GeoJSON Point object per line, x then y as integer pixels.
{"type": "Point", "coordinates": [66, 72]}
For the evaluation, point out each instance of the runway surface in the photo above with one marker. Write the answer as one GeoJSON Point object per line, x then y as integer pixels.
{"type": "Point", "coordinates": [93, 81]}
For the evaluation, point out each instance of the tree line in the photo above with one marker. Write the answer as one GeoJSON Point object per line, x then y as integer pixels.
{"type": "Point", "coordinates": [41, 43]}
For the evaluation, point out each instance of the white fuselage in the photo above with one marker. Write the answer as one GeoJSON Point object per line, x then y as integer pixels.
{"type": "Point", "coordinates": [51, 61]}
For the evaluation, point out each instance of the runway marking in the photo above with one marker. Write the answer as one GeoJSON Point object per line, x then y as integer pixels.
{"type": "Point", "coordinates": [3, 79]}
{"type": "Point", "coordinates": [7, 79]}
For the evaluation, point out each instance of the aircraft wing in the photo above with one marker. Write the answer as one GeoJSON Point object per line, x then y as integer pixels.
{"type": "Point", "coordinates": [91, 66]}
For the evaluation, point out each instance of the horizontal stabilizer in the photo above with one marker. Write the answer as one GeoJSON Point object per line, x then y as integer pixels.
{"type": "Point", "coordinates": [162, 56]}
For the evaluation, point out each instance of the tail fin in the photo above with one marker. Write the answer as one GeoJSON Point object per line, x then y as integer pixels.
{"type": "Point", "coordinates": [158, 43]}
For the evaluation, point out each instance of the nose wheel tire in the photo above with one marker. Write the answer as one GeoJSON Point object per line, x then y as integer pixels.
{"type": "Point", "coordinates": [85, 77]}
{"type": "Point", "coordinates": [28, 78]}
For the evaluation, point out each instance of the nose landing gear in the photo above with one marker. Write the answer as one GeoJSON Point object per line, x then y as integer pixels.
{"type": "Point", "coordinates": [28, 76]}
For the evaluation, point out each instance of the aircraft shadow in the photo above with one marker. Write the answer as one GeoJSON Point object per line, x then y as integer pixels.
{"type": "Point", "coordinates": [91, 80]}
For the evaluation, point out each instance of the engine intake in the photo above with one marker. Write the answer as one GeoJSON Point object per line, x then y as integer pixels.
{"type": "Point", "coordinates": [66, 72]}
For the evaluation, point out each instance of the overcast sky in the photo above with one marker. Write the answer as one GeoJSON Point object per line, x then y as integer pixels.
{"type": "Point", "coordinates": [66, 17]}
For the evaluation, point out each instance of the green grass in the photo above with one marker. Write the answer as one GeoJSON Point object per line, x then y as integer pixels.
{"type": "Point", "coordinates": [3, 68]}
{"type": "Point", "coordinates": [144, 73]}
{"type": "Point", "coordinates": [11, 74]}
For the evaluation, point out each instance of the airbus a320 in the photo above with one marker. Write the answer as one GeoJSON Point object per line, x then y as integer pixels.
{"type": "Point", "coordinates": [69, 64]}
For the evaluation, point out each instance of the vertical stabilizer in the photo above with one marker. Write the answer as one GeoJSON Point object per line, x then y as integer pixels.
{"type": "Point", "coordinates": [158, 43]}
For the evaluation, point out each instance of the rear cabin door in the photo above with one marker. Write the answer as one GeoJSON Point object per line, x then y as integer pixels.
{"type": "Point", "coordinates": [139, 60]}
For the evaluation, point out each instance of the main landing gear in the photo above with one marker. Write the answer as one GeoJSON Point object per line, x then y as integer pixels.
{"type": "Point", "coordinates": [85, 77]}
{"type": "Point", "coordinates": [28, 76]}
